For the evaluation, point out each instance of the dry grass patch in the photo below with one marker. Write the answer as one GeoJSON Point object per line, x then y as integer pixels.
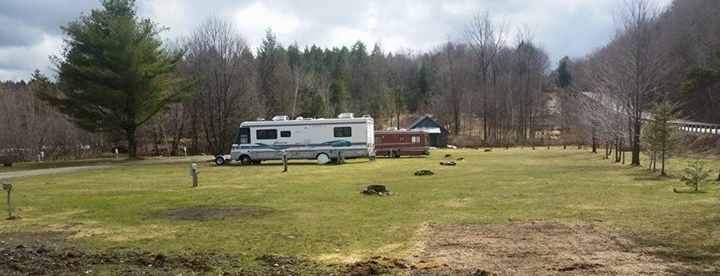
{"type": "Point", "coordinates": [339, 258]}
{"type": "Point", "coordinates": [538, 248]}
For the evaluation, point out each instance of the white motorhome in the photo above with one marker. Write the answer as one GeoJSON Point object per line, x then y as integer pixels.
{"type": "Point", "coordinates": [322, 139]}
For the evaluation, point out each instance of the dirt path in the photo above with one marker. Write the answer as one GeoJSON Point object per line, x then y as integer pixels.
{"type": "Point", "coordinates": [17, 174]}
{"type": "Point", "coordinates": [536, 248]}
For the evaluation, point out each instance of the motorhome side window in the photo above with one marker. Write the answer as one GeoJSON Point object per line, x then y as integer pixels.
{"type": "Point", "coordinates": [415, 139]}
{"type": "Point", "coordinates": [243, 136]}
{"type": "Point", "coordinates": [379, 140]}
{"type": "Point", "coordinates": [265, 134]}
{"type": "Point", "coordinates": [285, 133]}
{"type": "Point", "coordinates": [341, 132]}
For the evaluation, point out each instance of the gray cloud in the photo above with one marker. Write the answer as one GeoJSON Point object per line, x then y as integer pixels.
{"type": "Point", "coordinates": [13, 33]}
{"type": "Point", "coordinates": [30, 29]}
{"type": "Point", "coordinates": [47, 16]}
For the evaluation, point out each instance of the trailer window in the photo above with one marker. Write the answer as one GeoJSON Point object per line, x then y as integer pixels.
{"type": "Point", "coordinates": [342, 132]}
{"type": "Point", "coordinates": [415, 139]}
{"type": "Point", "coordinates": [243, 136]}
{"type": "Point", "coordinates": [401, 138]}
{"type": "Point", "coordinates": [266, 134]}
{"type": "Point", "coordinates": [379, 140]}
{"type": "Point", "coordinates": [285, 133]}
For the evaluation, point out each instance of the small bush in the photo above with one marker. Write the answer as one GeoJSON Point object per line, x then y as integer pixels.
{"type": "Point", "coordinates": [695, 175]}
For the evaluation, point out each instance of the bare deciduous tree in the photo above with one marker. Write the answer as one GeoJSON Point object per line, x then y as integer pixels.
{"type": "Point", "coordinates": [32, 128]}
{"type": "Point", "coordinates": [633, 69]}
{"type": "Point", "coordinates": [220, 65]}
{"type": "Point", "coordinates": [486, 39]}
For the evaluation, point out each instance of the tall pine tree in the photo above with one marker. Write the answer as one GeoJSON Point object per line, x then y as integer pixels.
{"type": "Point", "coordinates": [114, 74]}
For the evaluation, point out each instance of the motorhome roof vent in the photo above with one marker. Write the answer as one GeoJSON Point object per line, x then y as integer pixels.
{"type": "Point", "coordinates": [299, 118]}
{"type": "Point", "coordinates": [280, 118]}
{"type": "Point", "coordinates": [367, 116]}
{"type": "Point", "coordinates": [260, 119]}
{"type": "Point", "coordinates": [345, 115]}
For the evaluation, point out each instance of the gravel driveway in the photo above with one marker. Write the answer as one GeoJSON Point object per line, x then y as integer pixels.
{"type": "Point", "coordinates": [10, 175]}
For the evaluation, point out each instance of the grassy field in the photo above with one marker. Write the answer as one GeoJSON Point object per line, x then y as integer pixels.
{"type": "Point", "coordinates": [318, 213]}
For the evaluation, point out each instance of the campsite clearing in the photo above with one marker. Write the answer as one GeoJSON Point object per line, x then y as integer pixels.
{"type": "Point", "coordinates": [315, 215]}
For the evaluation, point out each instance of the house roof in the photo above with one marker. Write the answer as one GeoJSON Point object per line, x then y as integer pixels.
{"type": "Point", "coordinates": [429, 129]}
{"type": "Point", "coordinates": [437, 128]}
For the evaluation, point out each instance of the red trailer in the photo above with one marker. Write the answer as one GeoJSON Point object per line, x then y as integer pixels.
{"type": "Point", "coordinates": [394, 143]}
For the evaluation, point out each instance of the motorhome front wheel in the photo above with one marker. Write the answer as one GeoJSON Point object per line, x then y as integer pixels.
{"type": "Point", "coordinates": [245, 160]}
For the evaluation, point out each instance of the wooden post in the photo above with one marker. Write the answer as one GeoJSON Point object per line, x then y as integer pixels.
{"type": "Point", "coordinates": [194, 173]}
{"type": "Point", "coordinates": [10, 207]}
{"type": "Point", "coordinates": [285, 161]}
{"type": "Point", "coordinates": [7, 186]}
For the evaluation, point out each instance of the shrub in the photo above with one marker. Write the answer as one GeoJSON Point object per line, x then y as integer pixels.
{"type": "Point", "coordinates": [695, 174]}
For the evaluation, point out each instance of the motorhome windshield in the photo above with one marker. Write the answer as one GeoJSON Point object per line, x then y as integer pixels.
{"type": "Point", "coordinates": [243, 136]}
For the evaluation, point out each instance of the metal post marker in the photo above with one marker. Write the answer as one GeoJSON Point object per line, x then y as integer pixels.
{"type": "Point", "coordinates": [7, 186]}
{"type": "Point", "coordinates": [194, 173]}
{"type": "Point", "coordinates": [341, 157]}
{"type": "Point", "coordinates": [116, 153]}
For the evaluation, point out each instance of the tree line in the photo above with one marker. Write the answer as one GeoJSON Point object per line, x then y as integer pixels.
{"type": "Point", "coordinates": [659, 64]}
{"type": "Point", "coordinates": [487, 87]}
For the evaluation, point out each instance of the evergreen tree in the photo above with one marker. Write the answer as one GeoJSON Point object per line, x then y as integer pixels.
{"type": "Point", "coordinates": [564, 73]}
{"type": "Point", "coordinates": [659, 136]}
{"type": "Point", "coordinates": [313, 105]}
{"type": "Point", "coordinates": [114, 74]}
{"type": "Point", "coordinates": [424, 86]}
{"type": "Point", "coordinates": [340, 97]}
{"type": "Point", "coordinates": [564, 79]}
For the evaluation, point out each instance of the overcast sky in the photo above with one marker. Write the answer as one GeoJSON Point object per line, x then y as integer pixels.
{"type": "Point", "coordinates": [30, 29]}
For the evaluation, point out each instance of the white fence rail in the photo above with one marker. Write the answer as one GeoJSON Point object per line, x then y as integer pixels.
{"type": "Point", "coordinates": [696, 127]}
{"type": "Point", "coordinates": [693, 127]}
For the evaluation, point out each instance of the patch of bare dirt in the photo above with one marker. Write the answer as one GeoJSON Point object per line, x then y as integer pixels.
{"type": "Point", "coordinates": [277, 260]}
{"type": "Point", "coordinates": [47, 261]}
{"type": "Point", "coordinates": [533, 248]}
{"type": "Point", "coordinates": [51, 253]}
{"type": "Point", "coordinates": [275, 264]}
{"type": "Point", "coordinates": [48, 253]}
{"type": "Point", "coordinates": [375, 266]}
{"type": "Point", "coordinates": [33, 239]}
{"type": "Point", "coordinates": [215, 212]}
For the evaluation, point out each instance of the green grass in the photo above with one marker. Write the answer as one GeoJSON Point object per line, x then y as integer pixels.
{"type": "Point", "coordinates": [319, 211]}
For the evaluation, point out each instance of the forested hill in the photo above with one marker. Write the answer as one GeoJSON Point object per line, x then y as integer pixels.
{"type": "Point", "coordinates": [685, 61]}
{"type": "Point", "coordinates": [494, 83]}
